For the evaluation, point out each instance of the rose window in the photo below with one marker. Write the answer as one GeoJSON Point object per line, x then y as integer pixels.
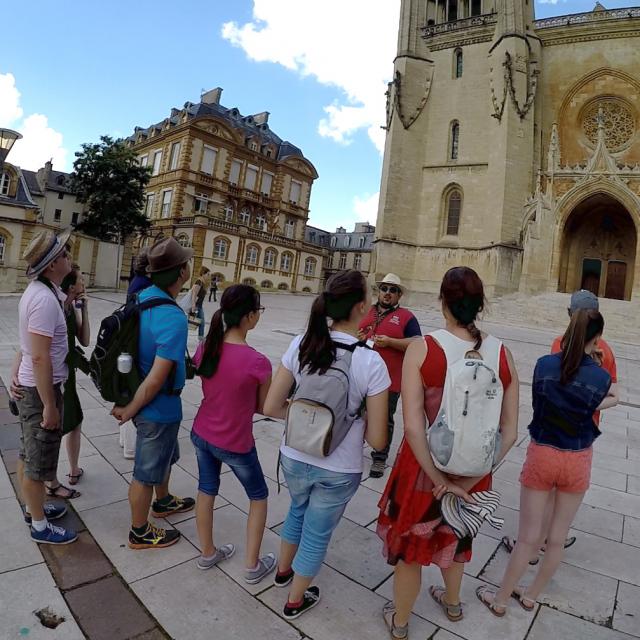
{"type": "Point", "coordinates": [619, 123]}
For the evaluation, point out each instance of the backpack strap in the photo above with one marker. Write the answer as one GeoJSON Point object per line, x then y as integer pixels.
{"type": "Point", "coordinates": [155, 302]}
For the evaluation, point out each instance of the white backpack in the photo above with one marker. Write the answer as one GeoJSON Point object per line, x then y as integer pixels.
{"type": "Point", "coordinates": [465, 437]}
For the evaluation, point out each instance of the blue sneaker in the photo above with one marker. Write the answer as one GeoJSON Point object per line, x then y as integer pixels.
{"type": "Point", "coordinates": [51, 510]}
{"type": "Point", "coordinates": [54, 535]}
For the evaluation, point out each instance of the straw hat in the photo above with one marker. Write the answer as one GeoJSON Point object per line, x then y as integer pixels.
{"type": "Point", "coordinates": [166, 254]}
{"type": "Point", "coordinates": [392, 279]}
{"type": "Point", "coordinates": [43, 249]}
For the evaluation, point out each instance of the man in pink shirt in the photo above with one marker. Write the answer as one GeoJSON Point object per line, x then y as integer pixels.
{"type": "Point", "coordinates": [41, 372]}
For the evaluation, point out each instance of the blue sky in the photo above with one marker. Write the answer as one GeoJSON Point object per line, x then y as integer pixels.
{"type": "Point", "coordinates": [71, 71]}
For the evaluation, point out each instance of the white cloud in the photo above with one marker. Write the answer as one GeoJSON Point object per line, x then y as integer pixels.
{"type": "Point", "coordinates": [366, 208]}
{"type": "Point", "coordinates": [349, 45]}
{"type": "Point", "coordinates": [39, 141]}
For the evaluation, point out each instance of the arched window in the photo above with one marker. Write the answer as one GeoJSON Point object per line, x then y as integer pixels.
{"type": "Point", "coordinates": [218, 277]}
{"type": "Point", "coordinates": [260, 221]}
{"type": "Point", "coordinates": [283, 286]}
{"type": "Point", "coordinates": [306, 290]}
{"type": "Point", "coordinates": [245, 216]}
{"type": "Point", "coordinates": [285, 262]}
{"type": "Point", "coordinates": [454, 140]}
{"type": "Point", "coordinates": [310, 267]}
{"type": "Point", "coordinates": [5, 181]}
{"type": "Point", "coordinates": [250, 281]}
{"type": "Point", "coordinates": [221, 248]}
{"type": "Point", "coordinates": [228, 212]}
{"type": "Point", "coordinates": [458, 63]}
{"type": "Point", "coordinates": [183, 240]}
{"type": "Point", "coordinates": [334, 241]}
{"type": "Point", "coordinates": [252, 254]}
{"type": "Point", "coordinates": [3, 244]}
{"type": "Point", "coordinates": [361, 242]}
{"type": "Point", "coordinates": [266, 284]}
{"type": "Point", "coordinates": [454, 209]}
{"type": "Point", "coordinates": [270, 257]}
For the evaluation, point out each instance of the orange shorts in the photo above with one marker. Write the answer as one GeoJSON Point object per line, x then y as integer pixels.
{"type": "Point", "coordinates": [547, 468]}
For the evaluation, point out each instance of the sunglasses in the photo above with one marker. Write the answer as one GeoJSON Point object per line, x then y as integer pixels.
{"type": "Point", "coordinates": [386, 289]}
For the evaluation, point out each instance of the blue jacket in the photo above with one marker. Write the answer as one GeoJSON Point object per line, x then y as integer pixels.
{"type": "Point", "coordinates": [563, 414]}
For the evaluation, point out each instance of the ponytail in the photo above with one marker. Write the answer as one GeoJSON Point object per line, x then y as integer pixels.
{"type": "Point", "coordinates": [236, 302]}
{"type": "Point", "coordinates": [462, 292]}
{"type": "Point", "coordinates": [343, 291]}
{"type": "Point", "coordinates": [583, 327]}
{"type": "Point", "coordinates": [475, 334]}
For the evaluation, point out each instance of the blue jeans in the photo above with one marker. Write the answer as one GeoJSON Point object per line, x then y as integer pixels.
{"type": "Point", "coordinates": [200, 314]}
{"type": "Point", "coordinates": [156, 450]}
{"type": "Point", "coordinates": [318, 500]}
{"type": "Point", "coordinates": [245, 466]}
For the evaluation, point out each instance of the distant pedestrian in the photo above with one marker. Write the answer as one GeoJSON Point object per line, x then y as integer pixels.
{"type": "Point", "coordinates": [567, 388]}
{"type": "Point", "coordinates": [156, 408]}
{"type": "Point", "coordinates": [198, 294]}
{"type": "Point", "coordinates": [321, 484]}
{"type": "Point", "coordinates": [141, 278]}
{"type": "Point", "coordinates": [390, 330]}
{"type": "Point", "coordinates": [41, 372]}
{"type": "Point", "coordinates": [235, 381]}
{"type": "Point", "coordinates": [213, 290]}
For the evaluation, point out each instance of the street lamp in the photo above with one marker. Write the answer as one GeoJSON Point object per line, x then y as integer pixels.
{"type": "Point", "coordinates": [7, 138]}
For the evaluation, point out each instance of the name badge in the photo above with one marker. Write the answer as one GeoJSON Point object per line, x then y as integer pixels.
{"type": "Point", "coordinates": [370, 343]}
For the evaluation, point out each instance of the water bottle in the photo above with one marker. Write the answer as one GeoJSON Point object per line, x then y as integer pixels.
{"type": "Point", "coordinates": [125, 363]}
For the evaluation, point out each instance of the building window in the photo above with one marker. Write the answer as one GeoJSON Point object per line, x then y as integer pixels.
{"type": "Point", "coordinates": [144, 160]}
{"type": "Point", "coordinates": [346, 242]}
{"type": "Point", "coordinates": [294, 192]}
{"type": "Point", "coordinates": [228, 212]}
{"type": "Point", "coordinates": [267, 180]}
{"type": "Point", "coordinates": [201, 203]}
{"type": "Point", "coordinates": [343, 261]}
{"type": "Point", "coordinates": [290, 228]}
{"type": "Point", "coordinates": [157, 161]}
{"type": "Point", "coordinates": [283, 286]}
{"type": "Point", "coordinates": [310, 267]}
{"type": "Point", "coordinates": [60, 196]}
{"type": "Point", "coordinates": [454, 208]}
{"type": "Point", "coordinates": [174, 158]}
{"type": "Point", "coordinates": [208, 160]}
{"type": "Point", "coordinates": [220, 248]}
{"type": "Point", "coordinates": [148, 205]}
{"type": "Point", "coordinates": [334, 241]}
{"type": "Point", "coordinates": [234, 174]}
{"type": "Point", "coordinates": [5, 181]}
{"type": "Point", "coordinates": [245, 216]}
{"type": "Point", "coordinates": [357, 262]}
{"type": "Point", "coordinates": [285, 262]}
{"type": "Point", "coordinates": [253, 146]}
{"type": "Point", "coordinates": [270, 256]}
{"type": "Point", "coordinates": [252, 254]}
{"type": "Point", "coordinates": [183, 240]}
{"type": "Point", "coordinates": [57, 215]}
{"type": "Point", "coordinates": [261, 221]}
{"type": "Point", "coordinates": [250, 281]}
{"type": "Point", "coordinates": [166, 203]}
{"type": "Point", "coordinates": [74, 218]}
{"type": "Point", "coordinates": [361, 242]}
{"type": "Point", "coordinates": [458, 63]}
{"type": "Point", "coordinates": [452, 10]}
{"type": "Point", "coordinates": [454, 142]}
{"type": "Point", "coordinates": [476, 7]}
{"type": "Point", "coordinates": [3, 244]}
{"type": "Point", "coordinates": [250, 177]}
{"type": "Point", "coordinates": [266, 284]}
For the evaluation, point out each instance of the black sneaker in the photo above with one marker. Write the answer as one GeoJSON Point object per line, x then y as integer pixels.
{"type": "Point", "coordinates": [310, 599]}
{"type": "Point", "coordinates": [153, 538]}
{"type": "Point", "coordinates": [377, 468]}
{"type": "Point", "coordinates": [176, 505]}
{"type": "Point", "coordinates": [283, 579]}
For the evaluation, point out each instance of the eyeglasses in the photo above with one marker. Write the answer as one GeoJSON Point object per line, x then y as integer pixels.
{"type": "Point", "coordinates": [386, 289]}
{"type": "Point", "coordinates": [260, 309]}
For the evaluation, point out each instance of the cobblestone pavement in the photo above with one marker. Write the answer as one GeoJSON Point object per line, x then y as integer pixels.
{"type": "Point", "coordinates": [156, 594]}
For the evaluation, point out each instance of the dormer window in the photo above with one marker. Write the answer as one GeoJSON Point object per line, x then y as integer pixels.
{"type": "Point", "coordinates": [5, 182]}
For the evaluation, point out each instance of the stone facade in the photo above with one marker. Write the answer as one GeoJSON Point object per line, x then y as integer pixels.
{"type": "Point", "coordinates": [229, 187]}
{"type": "Point", "coordinates": [513, 148]}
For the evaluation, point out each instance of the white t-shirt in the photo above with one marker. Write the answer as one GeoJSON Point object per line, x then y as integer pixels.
{"type": "Point", "coordinates": [39, 312]}
{"type": "Point", "coordinates": [368, 376]}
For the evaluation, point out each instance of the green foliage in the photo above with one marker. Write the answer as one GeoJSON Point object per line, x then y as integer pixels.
{"type": "Point", "coordinates": [108, 179]}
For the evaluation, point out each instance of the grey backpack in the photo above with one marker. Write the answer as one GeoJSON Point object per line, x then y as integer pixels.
{"type": "Point", "coordinates": [318, 417]}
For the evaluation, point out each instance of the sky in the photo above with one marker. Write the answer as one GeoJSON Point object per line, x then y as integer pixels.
{"type": "Point", "coordinates": [71, 71]}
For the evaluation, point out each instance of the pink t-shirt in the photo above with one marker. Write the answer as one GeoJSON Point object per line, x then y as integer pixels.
{"type": "Point", "coordinates": [39, 312]}
{"type": "Point", "coordinates": [225, 416]}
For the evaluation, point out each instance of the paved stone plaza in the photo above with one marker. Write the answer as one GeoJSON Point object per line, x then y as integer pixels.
{"type": "Point", "coordinates": [594, 596]}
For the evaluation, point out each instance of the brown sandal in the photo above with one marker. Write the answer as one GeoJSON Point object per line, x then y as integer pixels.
{"type": "Point", "coordinates": [54, 492]}
{"type": "Point", "coordinates": [73, 478]}
{"type": "Point", "coordinates": [481, 593]}
{"type": "Point", "coordinates": [528, 604]}
{"type": "Point", "coordinates": [452, 611]}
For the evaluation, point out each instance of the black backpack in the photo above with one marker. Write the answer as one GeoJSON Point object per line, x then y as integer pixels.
{"type": "Point", "coordinates": [119, 334]}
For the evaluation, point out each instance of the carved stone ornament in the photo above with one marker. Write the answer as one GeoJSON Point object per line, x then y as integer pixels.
{"type": "Point", "coordinates": [499, 102]}
{"type": "Point", "coordinates": [618, 121]}
{"type": "Point", "coordinates": [396, 104]}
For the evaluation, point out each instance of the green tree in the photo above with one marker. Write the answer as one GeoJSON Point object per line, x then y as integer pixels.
{"type": "Point", "coordinates": [109, 180]}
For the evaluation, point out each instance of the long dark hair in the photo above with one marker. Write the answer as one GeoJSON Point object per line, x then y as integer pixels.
{"type": "Point", "coordinates": [236, 302]}
{"type": "Point", "coordinates": [71, 278]}
{"type": "Point", "coordinates": [584, 326]}
{"type": "Point", "coordinates": [462, 293]}
{"type": "Point", "coordinates": [342, 292]}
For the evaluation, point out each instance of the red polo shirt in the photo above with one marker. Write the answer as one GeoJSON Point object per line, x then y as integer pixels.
{"type": "Point", "coordinates": [398, 323]}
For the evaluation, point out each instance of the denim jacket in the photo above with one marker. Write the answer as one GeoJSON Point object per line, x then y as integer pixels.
{"type": "Point", "coordinates": [563, 414]}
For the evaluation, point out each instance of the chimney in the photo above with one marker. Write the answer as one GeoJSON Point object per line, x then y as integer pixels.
{"type": "Point", "coordinates": [261, 118]}
{"type": "Point", "coordinates": [212, 96]}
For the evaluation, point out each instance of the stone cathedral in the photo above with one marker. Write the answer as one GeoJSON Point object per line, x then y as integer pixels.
{"type": "Point", "coordinates": [513, 147]}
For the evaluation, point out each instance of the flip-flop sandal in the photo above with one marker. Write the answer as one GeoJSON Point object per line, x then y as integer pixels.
{"type": "Point", "coordinates": [481, 592]}
{"type": "Point", "coordinates": [509, 544]}
{"type": "Point", "coordinates": [528, 604]}
{"type": "Point", "coordinates": [71, 493]}
{"type": "Point", "coordinates": [73, 478]}
{"type": "Point", "coordinates": [569, 541]}
{"type": "Point", "coordinates": [452, 611]}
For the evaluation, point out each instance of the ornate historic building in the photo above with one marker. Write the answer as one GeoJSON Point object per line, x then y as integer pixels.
{"type": "Point", "coordinates": [513, 147]}
{"type": "Point", "coordinates": [228, 186]}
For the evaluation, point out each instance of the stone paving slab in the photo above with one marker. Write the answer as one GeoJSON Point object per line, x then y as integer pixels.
{"type": "Point", "coordinates": [550, 624]}
{"type": "Point", "coordinates": [17, 549]}
{"type": "Point", "coordinates": [627, 614]}
{"type": "Point", "coordinates": [631, 533]}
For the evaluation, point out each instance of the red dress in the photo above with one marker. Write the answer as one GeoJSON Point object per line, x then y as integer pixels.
{"type": "Point", "coordinates": [410, 522]}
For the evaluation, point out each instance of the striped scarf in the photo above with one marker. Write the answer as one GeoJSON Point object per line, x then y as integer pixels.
{"type": "Point", "coordinates": [466, 519]}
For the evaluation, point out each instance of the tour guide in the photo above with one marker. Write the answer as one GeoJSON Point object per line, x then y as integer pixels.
{"type": "Point", "coordinates": [389, 329]}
